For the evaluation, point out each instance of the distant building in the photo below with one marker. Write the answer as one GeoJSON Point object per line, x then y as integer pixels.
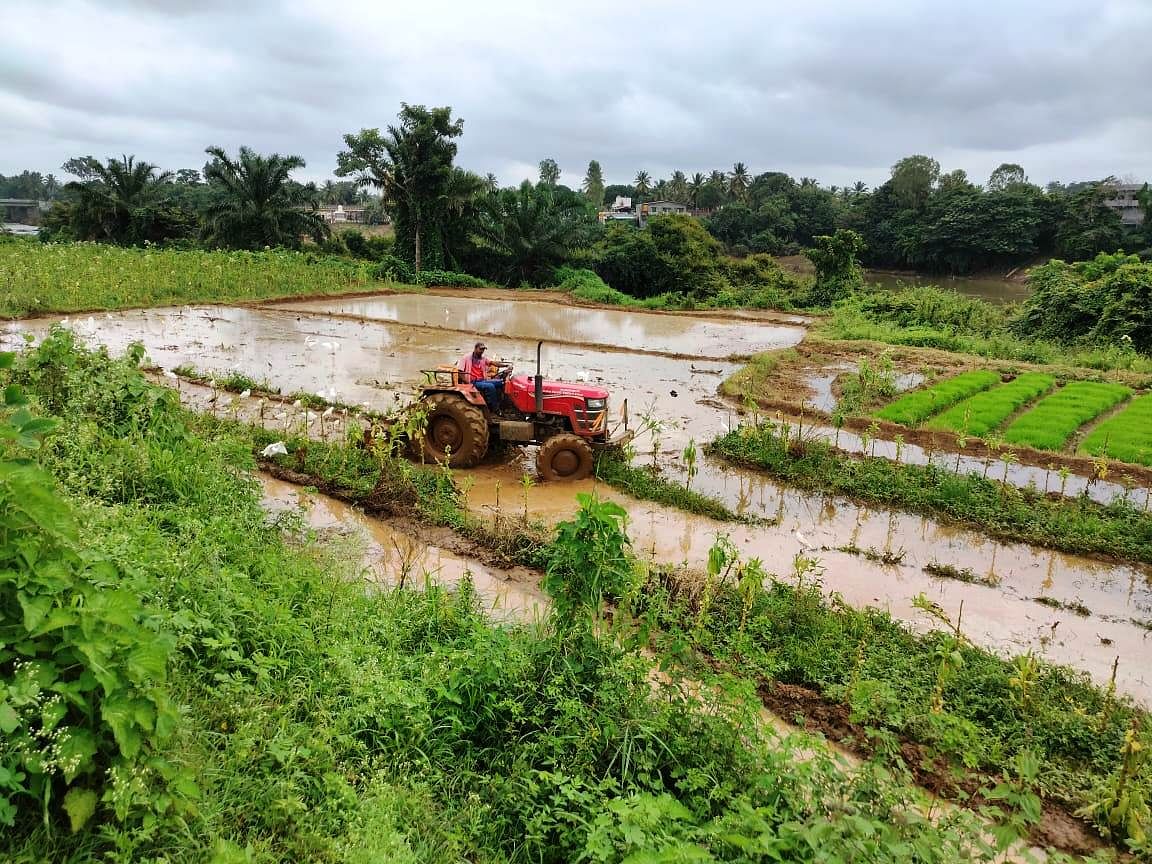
{"type": "Point", "coordinates": [338, 213]}
{"type": "Point", "coordinates": [660, 208]}
{"type": "Point", "coordinates": [22, 210]}
{"type": "Point", "coordinates": [1126, 200]}
{"type": "Point", "coordinates": [623, 211]}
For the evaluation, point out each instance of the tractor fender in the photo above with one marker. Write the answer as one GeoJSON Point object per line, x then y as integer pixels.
{"type": "Point", "coordinates": [470, 393]}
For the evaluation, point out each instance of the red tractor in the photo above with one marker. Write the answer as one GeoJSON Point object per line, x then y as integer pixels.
{"type": "Point", "coordinates": [568, 421]}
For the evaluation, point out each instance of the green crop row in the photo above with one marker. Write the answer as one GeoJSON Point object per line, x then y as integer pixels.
{"type": "Point", "coordinates": [919, 405]}
{"type": "Point", "coordinates": [985, 411]}
{"type": "Point", "coordinates": [1056, 418]}
{"type": "Point", "coordinates": [1127, 436]}
{"type": "Point", "coordinates": [37, 278]}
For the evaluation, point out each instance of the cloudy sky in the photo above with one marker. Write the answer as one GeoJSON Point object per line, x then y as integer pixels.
{"type": "Point", "coordinates": [835, 89]}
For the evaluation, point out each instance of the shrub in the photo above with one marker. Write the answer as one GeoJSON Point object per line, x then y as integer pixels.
{"type": "Point", "coordinates": [674, 253]}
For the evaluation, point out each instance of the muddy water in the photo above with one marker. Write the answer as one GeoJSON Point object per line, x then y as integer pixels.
{"type": "Point", "coordinates": [1003, 616]}
{"type": "Point", "coordinates": [390, 556]}
{"type": "Point", "coordinates": [379, 363]}
{"type": "Point", "coordinates": [690, 335]}
{"type": "Point", "coordinates": [376, 361]}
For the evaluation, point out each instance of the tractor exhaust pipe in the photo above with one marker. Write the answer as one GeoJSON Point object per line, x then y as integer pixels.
{"type": "Point", "coordinates": [539, 381]}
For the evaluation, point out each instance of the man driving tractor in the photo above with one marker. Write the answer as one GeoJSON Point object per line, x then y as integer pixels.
{"type": "Point", "coordinates": [486, 377]}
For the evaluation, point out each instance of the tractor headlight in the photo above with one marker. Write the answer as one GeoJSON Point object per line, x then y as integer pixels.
{"type": "Point", "coordinates": [597, 404]}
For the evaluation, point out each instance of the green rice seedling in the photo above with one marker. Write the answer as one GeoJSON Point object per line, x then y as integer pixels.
{"type": "Point", "coordinates": [1127, 436]}
{"type": "Point", "coordinates": [919, 405]}
{"type": "Point", "coordinates": [980, 414]}
{"type": "Point", "coordinates": [1056, 418]}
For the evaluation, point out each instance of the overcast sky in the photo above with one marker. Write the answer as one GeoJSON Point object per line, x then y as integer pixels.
{"type": "Point", "coordinates": [834, 89]}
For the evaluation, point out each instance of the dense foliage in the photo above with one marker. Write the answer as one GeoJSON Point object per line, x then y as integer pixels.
{"type": "Point", "coordinates": [330, 723]}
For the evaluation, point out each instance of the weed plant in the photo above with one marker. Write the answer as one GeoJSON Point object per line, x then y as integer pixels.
{"type": "Point", "coordinates": [38, 278]}
{"type": "Point", "coordinates": [980, 414]}
{"type": "Point", "coordinates": [917, 406]}
{"type": "Point", "coordinates": [1055, 419]}
{"type": "Point", "coordinates": [1126, 436]}
{"type": "Point", "coordinates": [327, 722]}
{"type": "Point", "coordinates": [1001, 510]}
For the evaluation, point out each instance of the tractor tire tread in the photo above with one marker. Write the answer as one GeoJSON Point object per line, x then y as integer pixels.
{"type": "Point", "coordinates": [474, 427]}
{"type": "Point", "coordinates": [565, 441]}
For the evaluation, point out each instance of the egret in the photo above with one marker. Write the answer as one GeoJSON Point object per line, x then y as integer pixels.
{"type": "Point", "coordinates": [276, 449]}
{"type": "Point", "coordinates": [803, 541]}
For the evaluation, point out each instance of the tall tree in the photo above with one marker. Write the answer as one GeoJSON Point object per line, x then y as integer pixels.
{"type": "Point", "coordinates": [642, 184]}
{"type": "Point", "coordinates": [255, 203]}
{"type": "Point", "coordinates": [549, 172]}
{"type": "Point", "coordinates": [696, 190]}
{"type": "Point", "coordinates": [593, 185]}
{"type": "Point", "coordinates": [913, 179]}
{"type": "Point", "coordinates": [678, 187]}
{"type": "Point", "coordinates": [738, 181]}
{"type": "Point", "coordinates": [122, 201]}
{"type": "Point", "coordinates": [530, 230]}
{"type": "Point", "coordinates": [411, 164]}
{"type": "Point", "coordinates": [1009, 174]}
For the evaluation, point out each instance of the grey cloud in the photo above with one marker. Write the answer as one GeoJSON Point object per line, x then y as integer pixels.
{"type": "Point", "coordinates": [839, 91]}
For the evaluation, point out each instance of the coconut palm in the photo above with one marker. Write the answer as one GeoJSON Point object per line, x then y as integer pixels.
{"type": "Point", "coordinates": [678, 187]}
{"type": "Point", "coordinates": [738, 181]}
{"type": "Point", "coordinates": [255, 203]}
{"type": "Point", "coordinates": [696, 189]}
{"type": "Point", "coordinates": [642, 184]}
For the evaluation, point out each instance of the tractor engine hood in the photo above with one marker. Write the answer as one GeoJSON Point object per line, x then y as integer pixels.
{"type": "Point", "coordinates": [555, 388]}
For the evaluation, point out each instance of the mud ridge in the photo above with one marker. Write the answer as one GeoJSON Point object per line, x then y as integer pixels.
{"type": "Point", "coordinates": [1058, 827]}
{"type": "Point", "coordinates": [939, 441]}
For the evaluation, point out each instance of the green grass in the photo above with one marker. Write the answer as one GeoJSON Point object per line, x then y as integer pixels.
{"type": "Point", "coordinates": [1055, 419]}
{"type": "Point", "coordinates": [71, 277]}
{"type": "Point", "coordinates": [322, 720]}
{"type": "Point", "coordinates": [1126, 436]}
{"type": "Point", "coordinates": [917, 406]}
{"type": "Point", "coordinates": [980, 414]}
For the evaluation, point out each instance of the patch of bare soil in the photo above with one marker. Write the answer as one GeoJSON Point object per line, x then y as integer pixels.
{"type": "Point", "coordinates": [1058, 828]}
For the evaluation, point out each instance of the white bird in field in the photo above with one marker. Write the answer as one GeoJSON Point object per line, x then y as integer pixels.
{"type": "Point", "coordinates": [309, 341]}
{"type": "Point", "coordinates": [581, 375]}
{"type": "Point", "coordinates": [328, 411]}
{"type": "Point", "coordinates": [245, 394]}
{"type": "Point", "coordinates": [802, 540]}
{"type": "Point", "coordinates": [277, 449]}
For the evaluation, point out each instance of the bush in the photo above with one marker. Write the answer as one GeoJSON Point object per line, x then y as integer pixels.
{"type": "Point", "coordinates": [1105, 300]}
{"type": "Point", "coordinates": [393, 269]}
{"type": "Point", "coordinates": [674, 253]}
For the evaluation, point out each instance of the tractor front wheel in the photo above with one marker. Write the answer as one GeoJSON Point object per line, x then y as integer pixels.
{"type": "Point", "coordinates": [564, 457]}
{"type": "Point", "coordinates": [457, 431]}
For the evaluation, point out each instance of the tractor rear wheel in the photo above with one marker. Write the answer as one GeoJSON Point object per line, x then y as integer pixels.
{"type": "Point", "coordinates": [564, 457]}
{"type": "Point", "coordinates": [456, 430]}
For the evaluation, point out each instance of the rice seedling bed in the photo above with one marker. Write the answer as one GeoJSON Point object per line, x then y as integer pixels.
{"type": "Point", "coordinates": [1127, 436]}
{"type": "Point", "coordinates": [980, 414]}
{"type": "Point", "coordinates": [1056, 418]}
{"type": "Point", "coordinates": [919, 405]}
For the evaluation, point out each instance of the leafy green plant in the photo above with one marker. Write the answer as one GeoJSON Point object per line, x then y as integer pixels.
{"type": "Point", "coordinates": [83, 704]}
{"type": "Point", "coordinates": [1126, 436]}
{"type": "Point", "coordinates": [589, 562]}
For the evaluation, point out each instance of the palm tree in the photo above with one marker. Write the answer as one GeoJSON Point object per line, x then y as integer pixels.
{"type": "Point", "coordinates": [808, 183]}
{"type": "Point", "coordinates": [532, 229]}
{"type": "Point", "coordinates": [738, 181]}
{"type": "Point", "coordinates": [696, 189]}
{"type": "Point", "coordinates": [461, 203]}
{"type": "Point", "coordinates": [859, 188]}
{"type": "Point", "coordinates": [119, 202]}
{"type": "Point", "coordinates": [678, 187]}
{"type": "Point", "coordinates": [642, 184]}
{"type": "Point", "coordinates": [256, 203]}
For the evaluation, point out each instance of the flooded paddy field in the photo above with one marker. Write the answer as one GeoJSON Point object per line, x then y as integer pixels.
{"type": "Point", "coordinates": [686, 335]}
{"type": "Point", "coordinates": [377, 362]}
{"type": "Point", "coordinates": [391, 557]}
